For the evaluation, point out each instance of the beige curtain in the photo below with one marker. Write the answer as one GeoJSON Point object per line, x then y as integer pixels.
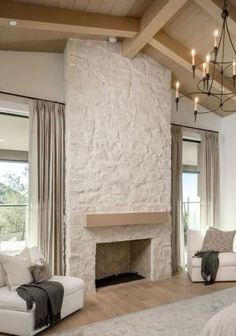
{"type": "Point", "coordinates": [177, 237]}
{"type": "Point", "coordinates": [32, 231]}
{"type": "Point", "coordinates": [209, 180]}
{"type": "Point", "coordinates": [47, 178]}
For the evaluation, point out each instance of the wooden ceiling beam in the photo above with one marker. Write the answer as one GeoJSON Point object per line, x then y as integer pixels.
{"type": "Point", "coordinates": [64, 20]}
{"type": "Point", "coordinates": [180, 55]}
{"type": "Point", "coordinates": [214, 8]}
{"type": "Point", "coordinates": [157, 15]}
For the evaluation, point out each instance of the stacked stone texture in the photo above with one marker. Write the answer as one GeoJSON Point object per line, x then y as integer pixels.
{"type": "Point", "coordinates": [118, 150]}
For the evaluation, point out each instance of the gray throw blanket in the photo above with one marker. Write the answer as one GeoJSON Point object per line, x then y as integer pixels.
{"type": "Point", "coordinates": [209, 265]}
{"type": "Point", "coordinates": [48, 298]}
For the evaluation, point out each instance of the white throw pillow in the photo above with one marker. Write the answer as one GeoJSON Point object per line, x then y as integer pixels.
{"type": "Point", "coordinates": [35, 254]}
{"type": "Point", "coordinates": [17, 269]}
{"type": "Point", "coordinates": [2, 277]}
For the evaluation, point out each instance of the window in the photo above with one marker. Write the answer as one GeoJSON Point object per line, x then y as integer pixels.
{"type": "Point", "coordinates": [13, 203]}
{"type": "Point", "coordinates": [14, 189]}
{"type": "Point", "coordinates": [190, 180]}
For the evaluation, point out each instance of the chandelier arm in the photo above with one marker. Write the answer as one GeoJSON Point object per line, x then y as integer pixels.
{"type": "Point", "coordinates": [210, 111]}
{"type": "Point", "coordinates": [231, 96]}
{"type": "Point", "coordinates": [217, 74]}
{"type": "Point", "coordinates": [206, 112]}
{"type": "Point", "coordinates": [206, 93]}
{"type": "Point", "coordinates": [199, 88]}
{"type": "Point", "coordinates": [227, 66]}
{"type": "Point", "coordinates": [218, 95]}
{"type": "Point", "coordinates": [230, 39]}
{"type": "Point", "coordinates": [190, 94]}
{"type": "Point", "coordinates": [214, 94]}
{"type": "Point", "coordinates": [228, 111]}
{"type": "Point", "coordinates": [220, 63]}
{"type": "Point", "coordinates": [220, 41]}
{"type": "Point", "coordinates": [213, 74]}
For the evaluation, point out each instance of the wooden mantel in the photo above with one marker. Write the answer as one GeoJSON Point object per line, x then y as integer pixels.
{"type": "Point", "coordinates": [120, 219]}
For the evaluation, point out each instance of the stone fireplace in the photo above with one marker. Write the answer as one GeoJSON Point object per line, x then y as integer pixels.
{"type": "Point", "coordinates": [118, 156]}
{"type": "Point", "coordinates": [148, 233]}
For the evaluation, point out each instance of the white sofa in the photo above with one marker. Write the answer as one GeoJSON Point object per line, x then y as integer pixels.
{"type": "Point", "coordinates": [227, 267]}
{"type": "Point", "coordinates": [14, 317]}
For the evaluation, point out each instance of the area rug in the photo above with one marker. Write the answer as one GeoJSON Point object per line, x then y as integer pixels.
{"type": "Point", "coordinates": [184, 318]}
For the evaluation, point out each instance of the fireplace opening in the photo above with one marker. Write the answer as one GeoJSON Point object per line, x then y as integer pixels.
{"type": "Point", "coordinates": [122, 261]}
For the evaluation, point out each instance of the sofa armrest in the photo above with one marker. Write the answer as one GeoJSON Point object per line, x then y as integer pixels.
{"type": "Point", "coordinates": [194, 242]}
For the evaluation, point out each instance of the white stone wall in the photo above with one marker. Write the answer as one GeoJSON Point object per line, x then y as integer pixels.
{"type": "Point", "coordinates": [118, 148]}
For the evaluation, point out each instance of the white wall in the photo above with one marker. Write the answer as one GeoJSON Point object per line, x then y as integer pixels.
{"type": "Point", "coordinates": [228, 174]}
{"type": "Point", "coordinates": [32, 74]}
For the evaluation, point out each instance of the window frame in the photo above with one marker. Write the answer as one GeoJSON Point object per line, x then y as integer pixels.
{"type": "Point", "coordinates": [18, 244]}
{"type": "Point", "coordinates": [188, 169]}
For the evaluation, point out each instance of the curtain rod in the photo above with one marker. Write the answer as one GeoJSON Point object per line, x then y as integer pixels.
{"type": "Point", "coordinates": [29, 97]}
{"type": "Point", "coordinates": [195, 128]}
{"type": "Point", "coordinates": [10, 114]}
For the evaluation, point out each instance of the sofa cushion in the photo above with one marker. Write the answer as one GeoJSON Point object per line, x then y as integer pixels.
{"type": "Point", "coordinates": [12, 301]}
{"type": "Point", "coordinates": [226, 259]}
{"type": "Point", "coordinates": [70, 284]}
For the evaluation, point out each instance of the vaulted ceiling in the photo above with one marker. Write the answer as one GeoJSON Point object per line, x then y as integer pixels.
{"type": "Point", "coordinates": [164, 29]}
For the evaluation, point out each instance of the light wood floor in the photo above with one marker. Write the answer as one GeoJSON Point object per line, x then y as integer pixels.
{"type": "Point", "coordinates": [123, 299]}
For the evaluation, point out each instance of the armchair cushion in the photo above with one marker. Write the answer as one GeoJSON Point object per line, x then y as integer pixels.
{"type": "Point", "coordinates": [10, 300]}
{"type": "Point", "coordinates": [225, 259]}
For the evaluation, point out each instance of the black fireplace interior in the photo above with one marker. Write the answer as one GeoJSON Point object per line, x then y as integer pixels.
{"type": "Point", "coordinates": [118, 279]}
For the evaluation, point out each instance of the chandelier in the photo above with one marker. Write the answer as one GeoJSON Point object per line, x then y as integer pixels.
{"type": "Point", "coordinates": [216, 70]}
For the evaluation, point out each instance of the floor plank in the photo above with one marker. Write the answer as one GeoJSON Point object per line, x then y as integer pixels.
{"type": "Point", "coordinates": [131, 297]}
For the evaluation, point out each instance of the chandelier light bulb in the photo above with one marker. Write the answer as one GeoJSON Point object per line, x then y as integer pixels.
{"type": "Point", "coordinates": [177, 90]}
{"type": "Point", "coordinates": [234, 67]}
{"type": "Point", "coordinates": [193, 53]}
{"type": "Point", "coordinates": [216, 34]}
{"type": "Point", "coordinates": [208, 58]}
{"type": "Point", "coordinates": [204, 69]}
{"type": "Point", "coordinates": [196, 100]}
